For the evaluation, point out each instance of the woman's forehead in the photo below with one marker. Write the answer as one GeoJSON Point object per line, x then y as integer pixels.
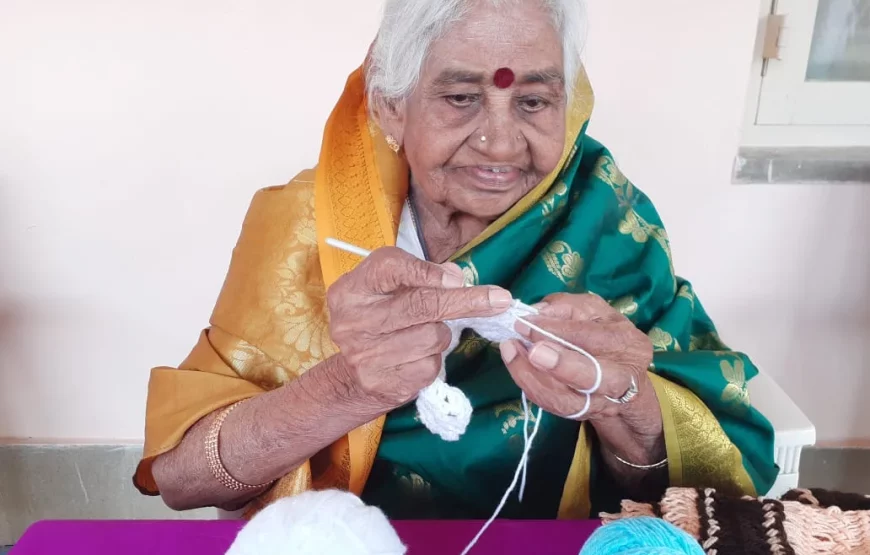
{"type": "Point", "coordinates": [526, 66]}
{"type": "Point", "coordinates": [519, 36]}
{"type": "Point", "coordinates": [454, 75]}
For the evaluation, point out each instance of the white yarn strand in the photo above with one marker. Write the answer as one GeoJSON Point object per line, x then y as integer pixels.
{"type": "Point", "coordinates": [520, 469]}
{"type": "Point", "coordinates": [598, 376]}
{"type": "Point", "coordinates": [526, 417]}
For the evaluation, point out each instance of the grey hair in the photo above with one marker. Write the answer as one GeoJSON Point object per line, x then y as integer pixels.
{"type": "Point", "coordinates": [409, 27]}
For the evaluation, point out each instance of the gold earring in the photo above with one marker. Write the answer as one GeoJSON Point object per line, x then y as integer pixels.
{"type": "Point", "coordinates": [393, 143]}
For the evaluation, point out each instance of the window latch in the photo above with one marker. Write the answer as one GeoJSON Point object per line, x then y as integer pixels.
{"type": "Point", "coordinates": [772, 33]}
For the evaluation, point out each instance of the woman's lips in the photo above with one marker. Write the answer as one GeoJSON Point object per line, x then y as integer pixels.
{"type": "Point", "coordinates": [496, 178]}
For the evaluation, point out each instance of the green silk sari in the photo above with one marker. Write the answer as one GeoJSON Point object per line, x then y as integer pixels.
{"type": "Point", "coordinates": [593, 231]}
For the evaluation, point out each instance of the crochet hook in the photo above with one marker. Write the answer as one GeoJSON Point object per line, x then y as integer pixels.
{"type": "Point", "coordinates": [359, 251]}
{"type": "Point", "coordinates": [347, 247]}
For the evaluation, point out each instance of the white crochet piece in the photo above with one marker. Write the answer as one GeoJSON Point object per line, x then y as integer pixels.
{"type": "Point", "coordinates": [444, 409]}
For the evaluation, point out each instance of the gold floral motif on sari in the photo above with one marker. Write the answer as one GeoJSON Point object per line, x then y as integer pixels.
{"type": "Point", "coordinates": [414, 484]}
{"type": "Point", "coordinates": [299, 301]}
{"type": "Point", "coordinates": [707, 342]}
{"type": "Point", "coordinates": [250, 363]}
{"type": "Point", "coordinates": [563, 262]}
{"type": "Point", "coordinates": [471, 345]}
{"type": "Point", "coordinates": [607, 171]}
{"type": "Point", "coordinates": [662, 340]}
{"type": "Point", "coordinates": [685, 291]}
{"type": "Point", "coordinates": [735, 394]}
{"type": "Point", "coordinates": [514, 416]}
{"type": "Point", "coordinates": [626, 306]}
{"type": "Point", "coordinates": [626, 197]}
{"type": "Point", "coordinates": [469, 271]}
{"type": "Point", "coordinates": [641, 230]}
{"type": "Point", "coordinates": [553, 203]}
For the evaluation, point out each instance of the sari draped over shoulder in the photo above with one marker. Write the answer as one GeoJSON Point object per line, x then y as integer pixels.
{"type": "Point", "coordinates": [585, 228]}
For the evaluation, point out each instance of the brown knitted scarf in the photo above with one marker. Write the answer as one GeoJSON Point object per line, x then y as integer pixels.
{"type": "Point", "coordinates": [802, 522]}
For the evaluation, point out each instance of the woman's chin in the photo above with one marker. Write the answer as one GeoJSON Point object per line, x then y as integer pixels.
{"type": "Point", "coordinates": [488, 198]}
{"type": "Point", "coordinates": [487, 205]}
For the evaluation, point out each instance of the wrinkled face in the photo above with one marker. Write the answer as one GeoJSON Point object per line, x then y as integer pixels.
{"type": "Point", "coordinates": [472, 145]}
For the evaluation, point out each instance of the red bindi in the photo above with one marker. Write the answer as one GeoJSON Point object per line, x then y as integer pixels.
{"type": "Point", "coordinates": [503, 78]}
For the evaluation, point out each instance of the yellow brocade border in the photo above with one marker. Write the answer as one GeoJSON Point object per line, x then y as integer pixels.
{"type": "Point", "coordinates": [576, 502]}
{"type": "Point", "coordinates": [699, 452]}
{"type": "Point", "coordinates": [359, 184]}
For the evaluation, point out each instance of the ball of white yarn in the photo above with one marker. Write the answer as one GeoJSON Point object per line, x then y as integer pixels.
{"type": "Point", "coordinates": [318, 523]}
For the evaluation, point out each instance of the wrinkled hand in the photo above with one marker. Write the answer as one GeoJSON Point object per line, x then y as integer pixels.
{"type": "Point", "coordinates": [386, 318]}
{"type": "Point", "coordinates": [551, 374]}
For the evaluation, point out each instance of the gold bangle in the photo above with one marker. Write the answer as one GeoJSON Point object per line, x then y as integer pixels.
{"type": "Point", "coordinates": [212, 453]}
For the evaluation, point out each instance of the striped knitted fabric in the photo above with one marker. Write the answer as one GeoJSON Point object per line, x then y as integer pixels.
{"type": "Point", "coordinates": [802, 522]}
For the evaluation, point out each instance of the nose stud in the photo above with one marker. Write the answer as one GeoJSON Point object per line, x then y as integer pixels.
{"type": "Point", "coordinates": [483, 138]}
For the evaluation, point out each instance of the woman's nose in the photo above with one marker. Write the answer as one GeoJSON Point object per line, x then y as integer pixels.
{"type": "Point", "coordinates": [500, 138]}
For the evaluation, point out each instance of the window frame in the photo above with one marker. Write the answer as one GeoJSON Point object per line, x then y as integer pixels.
{"type": "Point", "coordinates": [763, 135]}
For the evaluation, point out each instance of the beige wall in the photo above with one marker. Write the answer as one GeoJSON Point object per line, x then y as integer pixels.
{"type": "Point", "coordinates": [133, 134]}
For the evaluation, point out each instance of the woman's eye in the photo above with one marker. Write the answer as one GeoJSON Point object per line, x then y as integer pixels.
{"type": "Point", "coordinates": [533, 104]}
{"type": "Point", "coordinates": [461, 100]}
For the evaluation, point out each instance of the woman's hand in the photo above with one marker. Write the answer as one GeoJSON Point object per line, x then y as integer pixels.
{"type": "Point", "coordinates": [551, 375]}
{"type": "Point", "coordinates": [386, 318]}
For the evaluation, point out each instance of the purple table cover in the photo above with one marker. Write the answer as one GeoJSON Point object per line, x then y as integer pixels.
{"type": "Point", "coordinates": [132, 537]}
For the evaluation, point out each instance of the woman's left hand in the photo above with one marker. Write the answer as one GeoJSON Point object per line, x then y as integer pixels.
{"type": "Point", "coordinates": [551, 375]}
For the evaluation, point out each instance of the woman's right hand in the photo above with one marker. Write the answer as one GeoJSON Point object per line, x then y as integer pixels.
{"type": "Point", "coordinates": [386, 319]}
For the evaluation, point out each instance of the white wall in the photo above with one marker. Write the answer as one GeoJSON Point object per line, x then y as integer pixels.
{"type": "Point", "coordinates": [133, 134]}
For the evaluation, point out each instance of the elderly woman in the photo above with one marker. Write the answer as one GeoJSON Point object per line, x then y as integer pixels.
{"type": "Point", "coordinates": [458, 154]}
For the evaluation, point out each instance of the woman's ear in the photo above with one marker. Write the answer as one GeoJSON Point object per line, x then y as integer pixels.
{"type": "Point", "coordinates": [390, 117]}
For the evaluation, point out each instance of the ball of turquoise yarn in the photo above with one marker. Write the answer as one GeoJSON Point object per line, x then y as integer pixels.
{"type": "Point", "coordinates": [641, 536]}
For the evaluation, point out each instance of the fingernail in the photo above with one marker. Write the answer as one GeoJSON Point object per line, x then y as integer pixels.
{"type": "Point", "coordinates": [508, 351]}
{"type": "Point", "coordinates": [522, 329]}
{"type": "Point", "coordinates": [499, 298]}
{"type": "Point", "coordinates": [544, 357]}
{"type": "Point", "coordinates": [453, 268]}
{"type": "Point", "coordinates": [540, 306]}
{"type": "Point", "coordinates": [452, 278]}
